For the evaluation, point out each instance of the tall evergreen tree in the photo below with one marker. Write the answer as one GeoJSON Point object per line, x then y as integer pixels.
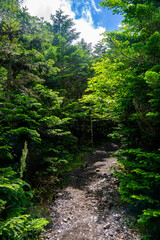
{"type": "Point", "coordinates": [126, 89]}
{"type": "Point", "coordinates": [62, 26]}
{"type": "Point", "coordinates": [72, 59]}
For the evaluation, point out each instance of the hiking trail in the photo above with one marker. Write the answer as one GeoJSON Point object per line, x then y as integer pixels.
{"type": "Point", "coordinates": [89, 208]}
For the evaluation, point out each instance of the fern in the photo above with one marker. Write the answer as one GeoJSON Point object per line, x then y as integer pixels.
{"type": "Point", "coordinates": [23, 159]}
{"type": "Point", "coordinates": [139, 184]}
{"type": "Point", "coordinates": [23, 227]}
{"type": "Point", "coordinates": [14, 223]}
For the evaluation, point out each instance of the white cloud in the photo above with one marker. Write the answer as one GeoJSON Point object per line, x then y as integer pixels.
{"type": "Point", "coordinates": [43, 8]}
{"type": "Point", "coordinates": [94, 5]}
{"type": "Point", "coordinates": [119, 25]}
{"type": "Point", "coordinates": [88, 32]}
{"type": "Point", "coordinates": [86, 14]}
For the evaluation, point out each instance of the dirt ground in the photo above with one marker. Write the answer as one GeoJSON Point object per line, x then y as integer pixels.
{"type": "Point", "coordinates": [89, 208]}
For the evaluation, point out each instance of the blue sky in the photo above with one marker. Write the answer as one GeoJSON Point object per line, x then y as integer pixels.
{"type": "Point", "coordinates": [101, 17]}
{"type": "Point", "coordinates": [90, 19]}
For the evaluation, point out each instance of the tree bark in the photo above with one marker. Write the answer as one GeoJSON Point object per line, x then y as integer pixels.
{"type": "Point", "coordinates": [91, 132]}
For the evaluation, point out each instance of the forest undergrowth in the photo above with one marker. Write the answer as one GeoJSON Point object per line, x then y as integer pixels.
{"type": "Point", "coordinates": [59, 97]}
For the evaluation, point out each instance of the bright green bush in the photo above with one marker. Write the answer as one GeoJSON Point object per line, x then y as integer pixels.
{"type": "Point", "coordinates": [140, 184]}
{"type": "Point", "coordinates": [23, 227]}
{"type": "Point", "coordinates": [14, 202]}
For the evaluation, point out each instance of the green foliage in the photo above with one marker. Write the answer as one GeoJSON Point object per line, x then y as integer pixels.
{"type": "Point", "coordinates": [125, 89]}
{"type": "Point", "coordinates": [139, 184]}
{"type": "Point", "coordinates": [39, 70]}
{"type": "Point", "coordinates": [11, 190]}
{"type": "Point", "coordinates": [14, 224]}
{"type": "Point", "coordinates": [72, 60]}
{"type": "Point", "coordinates": [22, 227]}
{"type": "Point", "coordinates": [63, 26]}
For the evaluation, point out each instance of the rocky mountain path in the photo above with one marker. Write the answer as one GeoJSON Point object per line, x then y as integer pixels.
{"type": "Point", "coordinates": [89, 207]}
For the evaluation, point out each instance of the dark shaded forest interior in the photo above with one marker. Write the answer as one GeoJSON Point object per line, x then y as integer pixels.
{"type": "Point", "coordinates": [61, 98]}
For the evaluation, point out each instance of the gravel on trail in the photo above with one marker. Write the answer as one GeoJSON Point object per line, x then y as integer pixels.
{"type": "Point", "coordinates": [88, 208]}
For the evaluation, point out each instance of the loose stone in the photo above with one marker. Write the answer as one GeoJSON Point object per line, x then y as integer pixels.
{"type": "Point", "coordinates": [117, 217]}
{"type": "Point", "coordinates": [86, 208]}
{"type": "Point", "coordinates": [107, 226]}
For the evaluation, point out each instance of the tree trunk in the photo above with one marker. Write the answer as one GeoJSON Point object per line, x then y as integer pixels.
{"type": "Point", "coordinates": [91, 132]}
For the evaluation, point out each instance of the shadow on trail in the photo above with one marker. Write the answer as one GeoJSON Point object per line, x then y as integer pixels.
{"type": "Point", "coordinates": [89, 207]}
{"type": "Point", "coordinates": [81, 178]}
{"type": "Point", "coordinates": [107, 196]}
{"type": "Point", "coordinates": [96, 168]}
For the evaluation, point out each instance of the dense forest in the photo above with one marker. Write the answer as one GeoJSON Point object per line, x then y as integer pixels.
{"type": "Point", "coordinates": [59, 97]}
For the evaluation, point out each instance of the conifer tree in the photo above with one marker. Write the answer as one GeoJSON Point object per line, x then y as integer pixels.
{"type": "Point", "coordinates": [125, 89]}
